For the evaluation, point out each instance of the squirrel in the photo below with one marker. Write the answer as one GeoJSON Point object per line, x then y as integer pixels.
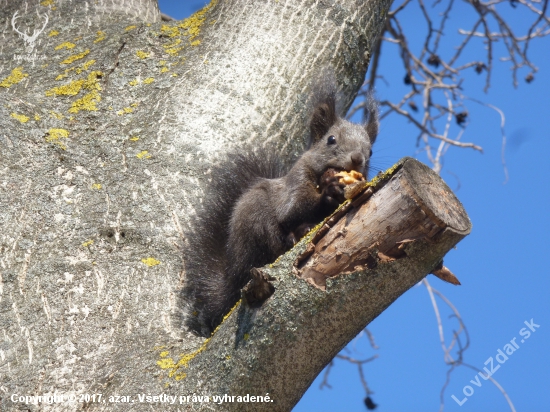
{"type": "Point", "coordinates": [256, 209]}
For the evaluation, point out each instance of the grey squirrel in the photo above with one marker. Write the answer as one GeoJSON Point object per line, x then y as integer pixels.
{"type": "Point", "coordinates": [255, 209]}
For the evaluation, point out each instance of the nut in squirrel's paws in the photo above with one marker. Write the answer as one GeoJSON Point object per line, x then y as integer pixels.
{"type": "Point", "coordinates": [353, 181]}
{"type": "Point", "coordinates": [349, 178]}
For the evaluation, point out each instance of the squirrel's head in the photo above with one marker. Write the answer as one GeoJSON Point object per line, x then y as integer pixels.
{"type": "Point", "coordinates": [338, 143]}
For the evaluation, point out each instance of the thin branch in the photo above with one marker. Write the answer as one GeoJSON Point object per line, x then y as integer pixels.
{"type": "Point", "coordinates": [370, 336]}
{"type": "Point", "coordinates": [399, 8]}
{"type": "Point", "coordinates": [494, 382]}
{"type": "Point", "coordinates": [503, 134]}
{"type": "Point", "coordinates": [426, 131]}
{"type": "Point", "coordinates": [325, 376]}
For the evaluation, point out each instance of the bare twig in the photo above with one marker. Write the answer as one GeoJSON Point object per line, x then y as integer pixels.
{"type": "Point", "coordinates": [438, 79]}
{"type": "Point", "coordinates": [503, 134]}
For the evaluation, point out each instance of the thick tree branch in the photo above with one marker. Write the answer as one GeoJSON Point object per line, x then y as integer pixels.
{"type": "Point", "coordinates": [373, 252]}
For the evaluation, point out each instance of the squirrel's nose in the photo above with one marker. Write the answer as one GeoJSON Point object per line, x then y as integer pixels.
{"type": "Point", "coordinates": [357, 159]}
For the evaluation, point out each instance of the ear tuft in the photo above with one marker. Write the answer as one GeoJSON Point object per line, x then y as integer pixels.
{"type": "Point", "coordinates": [323, 104]}
{"type": "Point", "coordinates": [371, 116]}
{"type": "Point", "coordinates": [323, 118]}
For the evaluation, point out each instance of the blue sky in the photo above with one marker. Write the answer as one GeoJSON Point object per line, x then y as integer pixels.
{"type": "Point", "coordinates": [501, 264]}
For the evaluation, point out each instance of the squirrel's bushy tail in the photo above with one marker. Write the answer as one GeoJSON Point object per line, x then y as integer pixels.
{"type": "Point", "coordinates": [205, 291]}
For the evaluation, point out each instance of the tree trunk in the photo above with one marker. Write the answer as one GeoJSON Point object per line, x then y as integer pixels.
{"type": "Point", "coordinates": [110, 121]}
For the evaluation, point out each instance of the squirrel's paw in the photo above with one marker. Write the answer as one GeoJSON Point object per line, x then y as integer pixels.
{"type": "Point", "coordinates": [333, 191]}
{"type": "Point", "coordinates": [293, 237]}
{"type": "Point", "coordinates": [290, 240]}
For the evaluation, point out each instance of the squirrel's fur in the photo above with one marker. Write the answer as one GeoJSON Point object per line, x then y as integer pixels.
{"type": "Point", "coordinates": [255, 209]}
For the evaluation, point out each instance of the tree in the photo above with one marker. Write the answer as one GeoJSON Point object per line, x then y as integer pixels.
{"type": "Point", "coordinates": [104, 162]}
{"type": "Point", "coordinates": [112, 123]}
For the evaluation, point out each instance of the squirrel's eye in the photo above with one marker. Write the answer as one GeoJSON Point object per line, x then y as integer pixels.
{"type": "Point", "coordinates": [370, 155]}
{"type": "Point", "coordinates": [331, 140]}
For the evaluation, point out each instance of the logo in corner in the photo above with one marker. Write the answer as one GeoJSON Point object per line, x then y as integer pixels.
{"type": "Point", "coordinates": [28, 38]}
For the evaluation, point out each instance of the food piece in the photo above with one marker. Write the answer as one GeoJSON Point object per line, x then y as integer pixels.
{"type": "Point", "coordinates": [353, 181]}
{"type": "Point", "coordinates": [349, 177]}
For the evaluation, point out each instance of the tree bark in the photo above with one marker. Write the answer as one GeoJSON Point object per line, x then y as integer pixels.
{"type": "Point", "coordinates": [110, 120]}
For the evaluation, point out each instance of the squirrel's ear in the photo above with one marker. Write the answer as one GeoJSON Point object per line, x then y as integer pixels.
{"type": "Point", "coordinates": [372, 123]}
{"type": "Point", "coordinates": [323, 118]}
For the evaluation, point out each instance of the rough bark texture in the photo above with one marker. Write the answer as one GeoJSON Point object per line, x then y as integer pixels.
{"type": "Point", "coordinates": [109, 122]}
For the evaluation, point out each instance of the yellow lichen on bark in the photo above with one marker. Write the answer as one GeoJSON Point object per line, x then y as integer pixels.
{"type": "Point", "coordinates": [192, 25]}
{"type": "Point", "coordinates": [15, 77]}
{"type": "Point", "coordinates": [150, 261]}
{"type": "Point", "coordinates": [75, 57]}
{"type": "Point", "coordinates": [143, 155]}
{"type": "Point", "coordinates": [67, 45]}
{"type": "Point", "coordinates": [100, 36]}
{"type": "Point", "coordinates": [87, 102]}
{"type": "Point", "coordinates": [168, 363]}
{"type": "Point", "coordinates": [55, 135]}
{"type": "Point", "coordinates": [21, 117]}
{"type": "Point", "coordinates": [74, 87]}
{"type": "Point", "coordinates": [125, 110]}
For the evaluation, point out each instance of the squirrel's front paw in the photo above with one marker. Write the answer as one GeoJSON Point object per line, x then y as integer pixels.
{"type": "Point", "coordinates": [333, 191]}
{"type": "Point", "coordinates": [290, 240]}
{"type": "Point", "coordinates": [293, 237]}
